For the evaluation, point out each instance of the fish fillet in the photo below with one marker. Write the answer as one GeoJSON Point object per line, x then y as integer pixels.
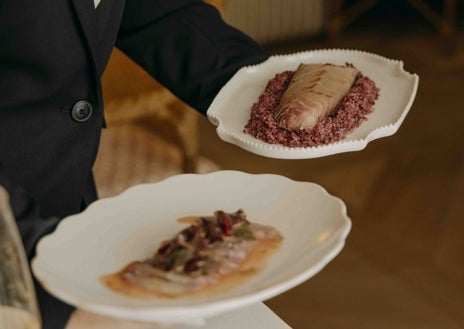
{"type": "Point", "coordinates": [314, 92]}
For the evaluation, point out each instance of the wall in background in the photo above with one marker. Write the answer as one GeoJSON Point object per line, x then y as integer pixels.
{"type": "Point", "coordinates": [272, 21]}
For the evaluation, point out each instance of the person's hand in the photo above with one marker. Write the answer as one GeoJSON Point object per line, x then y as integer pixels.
{"type": "Point", "coordinates": [85, 320]}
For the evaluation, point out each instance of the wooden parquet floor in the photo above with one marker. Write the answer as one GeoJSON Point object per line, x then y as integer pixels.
{"type": "Point", "coordinates": [403, 263]}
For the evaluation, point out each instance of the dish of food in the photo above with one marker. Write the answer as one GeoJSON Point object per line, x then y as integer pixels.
{"type": "Point", "coordinates": [315, 105]}
{"type": "Point", "coordinates": [214, 252]}
{"type": "Point", "coordinates": [313, 225]}
{"type": "Point", "coordinates": [301, 105]}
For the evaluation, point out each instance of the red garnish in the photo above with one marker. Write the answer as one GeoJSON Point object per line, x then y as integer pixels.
{"type": "Point", "coordinates": [224, 222]}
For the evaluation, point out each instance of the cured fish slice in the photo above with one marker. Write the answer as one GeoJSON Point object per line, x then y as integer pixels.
{"type": "Point", "coordinates": [199, 256]}
{"type": "Point", "coordinates": [314, 92]}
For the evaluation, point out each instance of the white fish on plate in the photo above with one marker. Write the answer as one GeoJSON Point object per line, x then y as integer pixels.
{"type": "Point", "coordinates": [314, 92]}
{"type": "Point", "coordinates": [197, 256]}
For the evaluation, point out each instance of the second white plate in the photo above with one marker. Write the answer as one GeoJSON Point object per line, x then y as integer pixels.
{"type": "Point", "coordinates": [113, 232]}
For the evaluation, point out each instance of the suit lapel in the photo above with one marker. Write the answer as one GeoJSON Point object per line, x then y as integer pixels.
{"type": "Point", "coordinates": [104, 11]}
{"type": "Point", "coordinates": [85, 11]}
{"type": "Point", "coordinates": [100, 27]}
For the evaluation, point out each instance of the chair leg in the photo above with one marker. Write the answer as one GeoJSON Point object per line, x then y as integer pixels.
{"type": "Point", "coordinates": [338, 18]}
{"type": "Point", "coordinates": [188, 136]}
{"type": "Point", "coordinates": [444, 23]}
{"type": "Point", "coordinates": [184, 121]}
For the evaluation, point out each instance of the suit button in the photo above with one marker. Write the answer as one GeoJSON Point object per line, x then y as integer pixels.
{"type": "Point", "coordinates": [81, 111]}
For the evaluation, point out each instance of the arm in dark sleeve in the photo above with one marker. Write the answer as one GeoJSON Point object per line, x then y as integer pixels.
{"type": "Point", "coordinates": [186, 46]}
{"type": "Point", "coordinates": [54, 313]}
{"type": "Point", "coordinates": [26, 211]}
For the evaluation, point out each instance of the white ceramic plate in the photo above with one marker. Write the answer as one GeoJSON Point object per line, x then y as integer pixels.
{"type": "Point", "coordinates": [230, 110]}
{"type": "Point", "coordinates": [115, 231]}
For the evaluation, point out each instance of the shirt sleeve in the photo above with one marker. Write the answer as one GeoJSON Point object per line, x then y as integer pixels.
{"type": "Point", "coordinates": [186, 46]}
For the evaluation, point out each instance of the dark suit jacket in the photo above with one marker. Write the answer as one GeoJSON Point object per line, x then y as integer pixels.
{"type": "Point", "coordinates": [52, 55]}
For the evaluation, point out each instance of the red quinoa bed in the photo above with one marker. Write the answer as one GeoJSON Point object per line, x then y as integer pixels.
{"type": "Point", "coordinates": [349, 114]}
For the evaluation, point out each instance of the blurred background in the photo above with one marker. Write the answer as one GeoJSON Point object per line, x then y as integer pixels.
{"type": "Point", "coordinates": [403, 263]}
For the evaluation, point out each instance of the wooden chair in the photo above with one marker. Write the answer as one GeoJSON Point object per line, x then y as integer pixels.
{"type": "Point", "coordinates": [133, 97]}
{"type": "Point", "coordinates": [444, 21]}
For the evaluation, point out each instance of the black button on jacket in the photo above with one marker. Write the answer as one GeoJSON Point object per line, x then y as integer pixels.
{"type": "Point", "coordinates": [81, 111]}
{"type": "Point", "coordinates": [52, 56]}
